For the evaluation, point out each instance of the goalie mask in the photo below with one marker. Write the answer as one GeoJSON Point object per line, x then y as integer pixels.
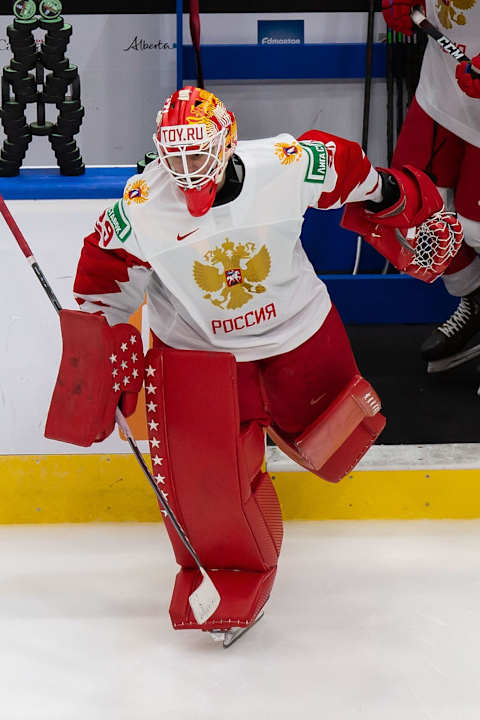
{"type": "Point", "coordinates": [196, 136]}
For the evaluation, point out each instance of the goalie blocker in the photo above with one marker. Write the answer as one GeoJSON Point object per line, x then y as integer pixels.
{"type": "Point", "coordinates": [101, 368]}
{"type": "Point", "coordinates": [410, 228]}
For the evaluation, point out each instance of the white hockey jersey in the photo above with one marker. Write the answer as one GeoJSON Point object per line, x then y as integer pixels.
{"type": "Point", "coordinates": [236, 279]}
{"type": "Point", "coordinates": [438, 92]}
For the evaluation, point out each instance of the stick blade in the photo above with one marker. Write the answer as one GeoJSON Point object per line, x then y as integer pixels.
{"type": "Point", "coordinates": [204, 600]}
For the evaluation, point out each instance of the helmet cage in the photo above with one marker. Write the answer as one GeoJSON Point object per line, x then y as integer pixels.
{"type": "Point", "coordinates": [211, 148]}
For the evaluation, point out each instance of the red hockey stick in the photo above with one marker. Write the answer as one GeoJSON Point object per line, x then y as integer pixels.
{"type": "Point", "coordinates": [205, 599]}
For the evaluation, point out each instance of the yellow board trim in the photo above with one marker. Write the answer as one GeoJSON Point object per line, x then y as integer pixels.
{"type": "Point", "coordinates": [99, 488]}
{"type": "Point", "coordinates": [74, 488]}
{"type": "Point", "coordinates": [381, 494]}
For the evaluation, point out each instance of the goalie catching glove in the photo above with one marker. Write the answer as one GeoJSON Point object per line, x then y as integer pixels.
{"type": "Point", "coordinates": [413, 231]}
{"type": "Point", "coordinates": [102, 367]}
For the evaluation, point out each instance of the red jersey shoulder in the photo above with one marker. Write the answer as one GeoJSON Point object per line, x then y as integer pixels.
{"type": "Point", "coordinates": [114, 223]}
{"type": "Point", "coordinates": [346, 159]}
{"type": "Point", "coordinates": [341, 152]}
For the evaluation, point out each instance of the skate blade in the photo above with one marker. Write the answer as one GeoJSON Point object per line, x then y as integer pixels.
{"type": "Point", "coordinates": [452, 361]}
{"type": "Point", "coordinates": [228, 637]}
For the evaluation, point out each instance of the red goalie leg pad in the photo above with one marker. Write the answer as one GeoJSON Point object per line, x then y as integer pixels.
{"type": "Point", "coordinates": [332, 445]}
{"type": "Point", "coordinates": [100, 367]}
{"type": "Point", "coordinates": [243, 595]}
{"type": "Point", "coordinates": [353, 449]}
{"type": "Point", "coordinates": [211, 473]}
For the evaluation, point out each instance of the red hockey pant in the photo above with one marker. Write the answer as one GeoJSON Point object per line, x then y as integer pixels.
{"type": "Point", "coordinates": [451, 163]}
{"type": "Point", "coordinates": [292, 389]}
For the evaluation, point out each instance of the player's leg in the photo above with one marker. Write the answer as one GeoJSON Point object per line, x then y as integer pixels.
{"type": "Point", "coordinates": [210, 466]}
{"type": "Point", "coordinates": [324, 414]}
{"type": "Point", "coordinates": [299, 385]}
{"type": "Point", "coordinates": [442, 154]}
{"type": "Point", "coordinates": [451, 343]}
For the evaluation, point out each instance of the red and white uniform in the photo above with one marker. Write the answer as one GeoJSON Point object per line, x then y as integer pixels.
{"type": "Point", "coordinates": [236, 279]}
{"type": "Point", "coordinates": [438, 93]}
{"type": "Point", "coordinates": [441, 135]}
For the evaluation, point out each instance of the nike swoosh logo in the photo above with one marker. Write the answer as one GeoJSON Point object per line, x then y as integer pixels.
{"type": "Point", "coordinates": [182, 237]}
{"type": "Point", "coordinates": [314, 401]}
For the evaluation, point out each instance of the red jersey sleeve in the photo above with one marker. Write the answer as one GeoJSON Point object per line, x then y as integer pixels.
{"type": "Point", "coordinates": [111, 282]}
{"type": "Point", "coordinates": [354, 177]}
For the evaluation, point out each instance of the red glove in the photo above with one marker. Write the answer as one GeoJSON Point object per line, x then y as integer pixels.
{"type": "Point", "coordinates": [414, 233]}
{"type": "Point", "coordinates": [423, 252]}
{"type": "Point", "coordinates": [469, 81]}
{"type": "Point", "coordinates": [397, 14]}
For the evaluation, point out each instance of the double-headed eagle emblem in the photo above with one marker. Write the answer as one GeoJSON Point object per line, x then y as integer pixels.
{"type": "Point", "coordinates": [448, 11]}
{"type": "Point", "coordinates": [234, 273]}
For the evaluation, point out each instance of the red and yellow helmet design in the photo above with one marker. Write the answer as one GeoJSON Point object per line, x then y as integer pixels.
{"type": "Point", "coordinates": [195, 137]}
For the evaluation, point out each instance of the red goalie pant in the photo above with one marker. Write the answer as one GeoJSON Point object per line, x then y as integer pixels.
{"type": "Point", "coordinates": [206, 417]}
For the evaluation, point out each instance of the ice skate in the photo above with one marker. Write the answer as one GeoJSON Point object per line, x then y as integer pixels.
{"type": "Point", "coordinates": [228, 637]}
{"type": "Point", "coordinates": [446, 346]}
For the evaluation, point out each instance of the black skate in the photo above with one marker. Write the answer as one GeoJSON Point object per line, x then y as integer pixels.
{"type": "Point", "coordinates": [445, 348]}
{"type": "Point", "coordinates": [228, 637]}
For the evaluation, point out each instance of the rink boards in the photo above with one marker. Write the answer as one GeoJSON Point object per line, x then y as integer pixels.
{"type": "Point", "coordinates": [46, 481]}
{"type": "Point", "coordinates": [404, 482]}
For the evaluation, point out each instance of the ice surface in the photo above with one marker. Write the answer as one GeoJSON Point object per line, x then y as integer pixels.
{"type": "Point", "coordinates": [369, 620]}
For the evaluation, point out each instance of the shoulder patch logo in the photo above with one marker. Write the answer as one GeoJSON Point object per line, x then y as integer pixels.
{"type": "Point", "coordinates": [119, 221]}
{"type": "Point", "coordinates": [234, 273]}
{"type": "Point", "coordinates": [137, 192]}
{"type": "Point", "coordinates": [319, 160]}
{"type": "Point", "coordinates": [288, 153]}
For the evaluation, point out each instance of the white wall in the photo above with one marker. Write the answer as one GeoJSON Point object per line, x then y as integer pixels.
{"type": "Point", "coordinates": [122, 89]}
{"type": "Point", "coordinates": [30, 340]}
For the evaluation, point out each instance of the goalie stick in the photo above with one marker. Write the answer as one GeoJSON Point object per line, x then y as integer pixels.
{"type": "Point", "coordinates": [195, 35]}
{"type": "Point", "coordinates": [368, 75]}
{"type": "Point", "coordinates": [366, 107]}
{"type": "Point", "coordinates": [445, 43]}
{"type": "Point", "coordinates": [390, 93]}
{"type": "Point", "coordinates": [205, 599]}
